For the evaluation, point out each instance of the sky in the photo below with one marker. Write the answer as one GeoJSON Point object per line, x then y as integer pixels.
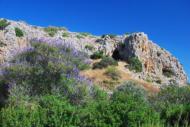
{"type": "Point", "coordinates": [167, 22]}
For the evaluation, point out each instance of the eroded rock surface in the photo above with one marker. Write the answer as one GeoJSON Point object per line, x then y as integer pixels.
{"type": "Point", "coordinates": [158, 64]}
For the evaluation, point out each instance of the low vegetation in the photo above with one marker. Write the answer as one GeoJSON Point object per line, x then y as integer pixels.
{"type": "Point", "coordinates": [135, 64]}
{"type": "Point", "coordinates": [2, 44]}
{"type": "Point", "coordinates": [113, 73]}
{"type": "Point", "coordinates": [19, 32]}
{"type": "Point", "coordinates": [89, 47]}
{"type": "Point", "coordinates": [3, 24]}
{"type": "Point", "coordinates": [97, 55]}
{"type": "Point", "coordinates": [85, 34]}
{"type": "Point", "coordinates": [105, 62]}
{"type": "Point", "coordinates": [112, 36]}
{"type": "Point", "coordinates": [51, 31]}
{"type": "Point", "coordinates": [65, 34]}
{"type": "Point", "coordinates": [79, 36]}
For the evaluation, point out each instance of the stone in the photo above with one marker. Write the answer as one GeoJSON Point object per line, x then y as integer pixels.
{"type": "Point", "coordinates": [154, 59]}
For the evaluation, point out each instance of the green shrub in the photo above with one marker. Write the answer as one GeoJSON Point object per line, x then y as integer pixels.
{"type": "Point", "coordinates": [99, 114]}
{"type": "Point", "coordinates": [97, 55]}
{"type": "Point", "coordinates": [51, 31]}
{"type": "Point", "coordinates": [135, 64]}
{"type": "Point", "coordinates": [19, 32]}
{"type": "Point", "coordinates": [3, 24]}
{"type": "Point", "coordinates": [89, 47]}
{"type": "Point", "coordinates": [65, 34]}
{"type": "Point", "coordinates": [112, 36]}
{"type": "Point", "coordinates": [113, 73]}
{"type": "Point", "coordinates": [45, 111]}
{"type": "Point", "coordinates": [130, 102]}
{"type": "Point", "coordinates": [172, 102]}
{"type": "Point", "coordinates": [21, 115]}
{"type": "Point", "coordinates": [105, 62]}
{"type": "Point", "coordinates": [168, 72]}
{"type": "Point", "coordinates": [80, 36]}
{"type": "Point", "coordinates": [58, 112]}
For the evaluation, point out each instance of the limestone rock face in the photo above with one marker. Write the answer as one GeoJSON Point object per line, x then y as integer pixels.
{"type": "Point", "coordinates": [156, 61]}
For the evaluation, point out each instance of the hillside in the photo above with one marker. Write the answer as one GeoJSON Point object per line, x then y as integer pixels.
{"type": "Point", "coordinates": [52, 77]}
{"type": "Point", "coordinates": [158, 65]}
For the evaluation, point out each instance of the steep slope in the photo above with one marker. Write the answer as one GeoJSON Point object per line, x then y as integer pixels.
{"type": "Point", "coordinates": [158, 65]}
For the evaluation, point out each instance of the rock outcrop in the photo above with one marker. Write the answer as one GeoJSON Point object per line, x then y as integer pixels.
{"type": "Point", "coordinates": [158, 64]}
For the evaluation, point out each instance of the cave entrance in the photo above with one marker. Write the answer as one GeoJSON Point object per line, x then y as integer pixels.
{"type": "Point", "coordinates": [116, 54]}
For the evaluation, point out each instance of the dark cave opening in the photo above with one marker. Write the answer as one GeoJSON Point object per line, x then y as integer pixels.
{"type": "Point", "coordinates": [116, 54]}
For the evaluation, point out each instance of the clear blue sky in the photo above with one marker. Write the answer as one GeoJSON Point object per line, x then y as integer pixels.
{"type": "Point", "coordinates": [167, 22]}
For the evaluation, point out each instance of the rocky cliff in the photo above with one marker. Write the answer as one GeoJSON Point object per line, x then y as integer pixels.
{"type": "Point", "coordinates": [159, 65]}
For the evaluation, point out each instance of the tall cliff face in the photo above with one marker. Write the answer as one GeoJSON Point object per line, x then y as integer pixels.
{"type": "Point", "coordinates": [158, 64]}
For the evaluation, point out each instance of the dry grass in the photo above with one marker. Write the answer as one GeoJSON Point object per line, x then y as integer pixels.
{"type": "Point", "coordinates": [98, 77]}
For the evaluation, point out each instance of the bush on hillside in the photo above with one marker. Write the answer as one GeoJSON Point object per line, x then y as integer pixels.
{"type": "Point", "coordinates": [65, 34]}
{"type": "Point", "coordinates": [89, 47]}
{"type": "Point", "coordinates": [47, 69]}
{"type": "Point", "coordinates": [112, 36]}
{"type": "Point", "coordinates": [3, 24]}
{"type": "Point", "coordinates": [97, 55]}
{"type": "Point", "coordinates": [135, 64]}
{"type": "Point", "coordinates": [105, 62]}
{"type": "Point", "coordinates": [19, 32]}
{"type": "Point", "coordinates": [79, 36]}
{"type": "Point", "coordinates": [51, 30]}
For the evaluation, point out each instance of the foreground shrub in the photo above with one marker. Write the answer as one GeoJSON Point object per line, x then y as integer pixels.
{"type": "Point", "coordinates": [131, 103]}
{"type": "Point", "coordinates": [46, 111]}
{"type": "Point", "coordinates": [105, 62]}
{"type": "Point", "coordinates": [19, 32]}
{"type": "Point", "coordinates": [113, 73]}
{"type": "Point", "coordinates": [58, 112]}
{"type": "Point", "coordinates": [22, 115]}
{"type": "Point", "coordinates": [135, 64]}
{"type": "Point", "coordinates": [3, 24]}
{"type": "Point", "coordinates": [173, 104]}
{"type": "Point", "coordinates": [97, 55]}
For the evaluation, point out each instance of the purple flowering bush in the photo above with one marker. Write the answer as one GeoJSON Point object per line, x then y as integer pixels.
{"type": "Point", "coordinates": [48, 68]}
